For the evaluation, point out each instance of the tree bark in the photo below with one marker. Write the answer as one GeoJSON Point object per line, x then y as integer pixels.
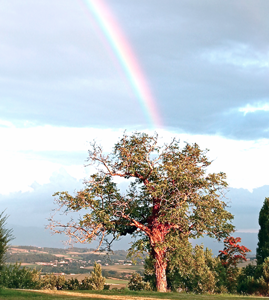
{"type": "Point", "coordinates": [157, 238]}
{"type": "Point", "coordinates": [160, 270]}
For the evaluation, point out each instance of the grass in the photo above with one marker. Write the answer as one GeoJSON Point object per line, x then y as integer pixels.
{"type": "Point", "coordinates": [175, 296]}
{"type": "Point", "coordinates": [58, 295]}
{"type": "Point", "coordinates": [23, 295]}
{"type": "Point", "coordinates": [120, 268]}
{"type": "Point", "coordinates": [116, 281]}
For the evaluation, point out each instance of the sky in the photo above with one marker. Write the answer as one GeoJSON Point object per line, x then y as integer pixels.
{"type": "Point", "coordinates": [74, 71]}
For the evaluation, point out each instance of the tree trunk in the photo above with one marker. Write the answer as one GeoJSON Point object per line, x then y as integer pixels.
{"type": "Point", "coordinates": [160, 270]}
{"type": "Point", "coordinates": [157, 238]}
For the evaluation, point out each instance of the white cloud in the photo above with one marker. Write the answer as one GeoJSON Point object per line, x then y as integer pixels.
{"type": "Point", "coordinates": [247, 230]}
{"type": "Point", "coordinates": [236, 54]}
{"type": "Point", "coordinates": [244, 162]}
{"type": "Point", "coordinates": [253, 108]}
{"type": "Point", "coordinates": [5, 123]}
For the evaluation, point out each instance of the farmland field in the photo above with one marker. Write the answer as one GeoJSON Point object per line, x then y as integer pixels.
{"type": "Point", "coordinates": [116, 281]}
{"type": "Point", "coordinates": [113, 282]}
{"type": "Point", "coordinates": [121, 268]}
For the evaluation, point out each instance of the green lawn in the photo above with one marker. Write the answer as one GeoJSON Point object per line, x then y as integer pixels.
{"type": "Point", "coordinates": [23, 295]}
{"type": "Point", "coordinates": [176, 296]}
{"type": "Point", "coordinates": [116, 281]}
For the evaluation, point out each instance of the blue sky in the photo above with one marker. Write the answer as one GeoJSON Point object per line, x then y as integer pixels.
{"type": "Point", "coordinates": [207, 63]}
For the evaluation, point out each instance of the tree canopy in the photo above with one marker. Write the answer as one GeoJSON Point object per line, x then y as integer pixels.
{"type": "Point", "coordinates": [170, 197]}
{"type": "Point", "coordinates": [263, 235]}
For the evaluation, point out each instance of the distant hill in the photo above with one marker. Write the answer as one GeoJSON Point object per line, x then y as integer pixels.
{"type": "Point", "coordinates": [72, 260]}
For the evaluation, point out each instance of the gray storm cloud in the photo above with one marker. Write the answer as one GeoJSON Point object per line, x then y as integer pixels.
{"type": "Point", "coordinates": [202, 60]}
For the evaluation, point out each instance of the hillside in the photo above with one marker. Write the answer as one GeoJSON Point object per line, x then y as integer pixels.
{"type": "Point", "coordinates": [73, 260]}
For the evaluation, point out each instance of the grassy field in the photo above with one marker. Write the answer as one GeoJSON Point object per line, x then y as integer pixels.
{"type": "Point", "coordinates": [121, 268]}
{"type": "Point", "coordinates": [121, 295]}
{"type": "Point", "coordinates": [23, 295]}
{"type": "Point", "coordinates": [116, 281]}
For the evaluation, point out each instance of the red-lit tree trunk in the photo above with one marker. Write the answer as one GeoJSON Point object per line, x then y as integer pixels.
{"type": "Point", "coordinates": [157, 239]}
{"type": "Point", "coordinates": [157, 233]}
{"type": "Point", "coordinates": [160, 270]}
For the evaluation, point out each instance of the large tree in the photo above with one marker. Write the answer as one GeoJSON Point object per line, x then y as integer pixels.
{"type": "Point", "coordinates": [263, 235]}
{"type": "Point", "coordinates": [170, 197]}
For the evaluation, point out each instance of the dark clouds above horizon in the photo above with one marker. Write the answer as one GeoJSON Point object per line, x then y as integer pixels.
{"type": "Point", "coordinates": [204, 61]}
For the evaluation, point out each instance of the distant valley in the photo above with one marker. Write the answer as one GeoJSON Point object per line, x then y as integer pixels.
{"type": "Point", "coordinates": [74, 260]}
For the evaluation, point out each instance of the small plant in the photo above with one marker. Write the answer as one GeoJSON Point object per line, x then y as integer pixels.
{"type": "Point", "coordinates": [136, 283]}
{"type": "Point", "coordinates": [48, 282]}
{"type": "Point", "coordinates": [97, 279]}
{"type": "Point", "coordinates": [87, 284]}
{"type": "Point", "coordinates": [72, 284]}
{"type": "Point", "coordinates": [94, 282]}
{"type": "Point", "coordinates": [60, 282]}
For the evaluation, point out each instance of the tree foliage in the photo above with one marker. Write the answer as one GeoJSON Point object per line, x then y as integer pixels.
{"type": "Point", "coordinates": [254, 279]}
{"type": "Point", "coordinates": [5, 238]}
{"type": "Point", "coordinates": [15, 276]}
{"type": "Point", "coordinates": [136, 283]}
{"type": "Point", "coordinates": [263, 235]}
{"type": "Point", "coordinates": [96, 281]}
{"type": "Point", "coordinates": [170, 196]}
{"type": "Point", "coordinates": [232, 254]}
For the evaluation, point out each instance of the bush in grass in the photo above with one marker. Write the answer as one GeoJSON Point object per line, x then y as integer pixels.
{"type": "Point", "coordinates": [48, 282]}
{"type": "Point", "coordinates": [263, 281]}
{"type": "Point", "coordinates": [15, 276]}
{"type": "Point", "coordinates": [52, 282]}
{"type": "Point", "coordinates": [60, 282]}
{"type": "Point", "coordinates": [249, 285]}
{"type": "Point", "coordinates": [202, 278]}
{"type": "Point", "coordinates": [136, 283]}
{"type": "Point", "coordinates": [87, 284]}
{"type": "Point", "coordinates": [254, 279]}
{"type": "Point", "coordinates": [96, 278]}
{"type": "Point", "coordinates": [94, 282]}
{"type": "Point", "coordinates": [72, 284]}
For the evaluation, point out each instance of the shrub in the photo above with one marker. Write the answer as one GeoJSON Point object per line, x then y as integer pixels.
{"type": "Point", "coordinates": [72, 284]}
{"type": "Point", "coordinates": [136, 283]}
{"type": "Point", "coordinates": [94, 282]}
{"type": "Point", "coordinates": [255, 279]}
{"type": "Point", "coordinates": [202, 279]}
{"type": "Point", "coordinates": [52, 282]}
{"type": "Point", "coordinates": [193, 272]}
{"type": "Point", "coordinates": [15, 276]}
{"type": "Point", "coordinates": [88, 284]}
{"type": "Point", "coordinates": [96, 279]}
{"type": "Point", "coordinates": [48, 282]}
{"type": "Point", "coordinates": [60, 282]}
{"type": "Point", "coordinates": [249, 285]}
{"type": "Point", "coordinates": [5, 237]}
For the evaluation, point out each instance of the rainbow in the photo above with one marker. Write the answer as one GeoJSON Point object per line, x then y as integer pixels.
{"type": "Point", "coordinates": [127, 58]}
